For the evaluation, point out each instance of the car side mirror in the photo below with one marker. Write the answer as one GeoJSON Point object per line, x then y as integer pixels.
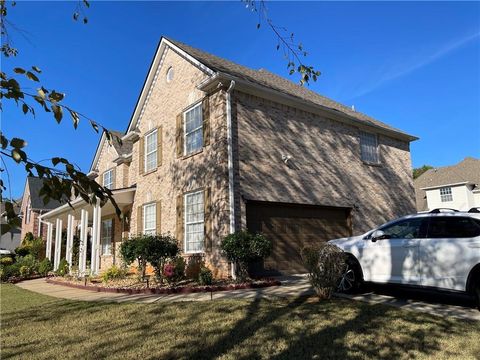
{"type": "Point", "coordinates": [379, 235]}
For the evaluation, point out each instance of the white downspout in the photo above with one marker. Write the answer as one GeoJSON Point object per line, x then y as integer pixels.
{"type": "Point", "coordinates": [231, 193]}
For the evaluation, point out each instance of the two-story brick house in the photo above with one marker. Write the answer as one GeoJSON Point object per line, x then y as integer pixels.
{"type": "Point", "coordinates": [215, 147]}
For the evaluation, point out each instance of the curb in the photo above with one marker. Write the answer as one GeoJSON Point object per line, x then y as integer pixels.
{"type": "Point", "coordinates": [166, 291]}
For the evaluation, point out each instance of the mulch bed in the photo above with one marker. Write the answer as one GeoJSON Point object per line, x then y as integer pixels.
{"type": "Point", "coordinates": [170, 290]}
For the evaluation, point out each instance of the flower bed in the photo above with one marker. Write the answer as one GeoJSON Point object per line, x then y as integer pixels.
{"type": "Point", "coordinates": [133, 286]}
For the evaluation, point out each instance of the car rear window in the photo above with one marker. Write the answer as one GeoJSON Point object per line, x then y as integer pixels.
{"type": "Point", "coordinates": [453, 227]}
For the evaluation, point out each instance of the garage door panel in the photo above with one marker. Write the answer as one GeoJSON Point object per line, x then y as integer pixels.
{"type": "Point", "coordinates": [291, 228]}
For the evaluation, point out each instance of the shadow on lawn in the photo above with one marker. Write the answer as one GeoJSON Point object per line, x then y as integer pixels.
{"type": "Point", "coordinates": [297, 328]}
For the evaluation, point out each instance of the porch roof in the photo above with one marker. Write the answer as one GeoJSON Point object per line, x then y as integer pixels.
{"type": "Point", "coordinates": [122, 197]}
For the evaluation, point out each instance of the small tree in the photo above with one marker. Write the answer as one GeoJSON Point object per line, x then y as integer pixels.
{"type": "Point", "coordinates": [160, 249]}
{"type": "Point", "coordinates": [243, 248]}
{"type": "Point", "coordinates": [136, 248]}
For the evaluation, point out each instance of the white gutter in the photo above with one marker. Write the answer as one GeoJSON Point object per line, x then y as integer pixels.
{"type": "Point", "coordinates": [231, 193]}
{"type": "Point", "coordinates": [231, 196]}
{"type": "Point", "coordinates": [446, 185]}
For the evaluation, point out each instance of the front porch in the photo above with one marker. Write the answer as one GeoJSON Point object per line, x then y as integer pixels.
{"type": "Point", "coordinates": [92, 233]}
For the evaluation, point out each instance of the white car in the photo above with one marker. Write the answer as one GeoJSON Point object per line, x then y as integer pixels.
{"type": "Point", "coordinates": [437, 249]}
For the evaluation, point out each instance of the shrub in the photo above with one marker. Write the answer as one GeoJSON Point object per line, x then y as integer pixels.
{"type": "Point", "coordinates": [30, 262]}
{"type": "Point", "coordinates": [179, 270]}
{"type": "Point", "coordinates": [23, 250]}
{"type": "Point", "coordinates": [7, 260]}
{"type": "Point", "coordinates": [37, 247]}
{"type": "Point", "coordinates": [7, 272]}
{"type": "Point", "coordinates": [45, 267]}
{"type": "Point", "coordinates": [136, 248]}
{"type": "Point", "coordinates": [114, 273]}
{"type": "Point", "coordinates": [161, 248]}
{"type": "Point", "coordinates": [63, 268]}
{"type": "Point", "coordinates": [25, 271]}
{"type": "Point", "coordinates": [169, 272]}
{"type": "Point", "coordinates": [205, 277]}
{"type": "Point", "coordinates": [193, 267]}
{"type": "Point", "coordinates": [243, 248]}
{"type": "Point", "coordinates": [325, 265]}
{"type": "Point", "coordinates": [28, 238]}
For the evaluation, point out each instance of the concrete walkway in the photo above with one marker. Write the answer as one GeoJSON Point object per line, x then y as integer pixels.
{"type": "Point", "coordinates": [292, 286]}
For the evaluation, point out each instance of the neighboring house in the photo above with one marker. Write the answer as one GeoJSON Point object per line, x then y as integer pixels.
{"type": "Point", "coordinates": [32, 207]}
{"type": "Point", "coordinates": [11, 239]}
{"type": "Point", "coordinates": [213, 147]}
{"type": "Point", "coordinates": [456, 187]}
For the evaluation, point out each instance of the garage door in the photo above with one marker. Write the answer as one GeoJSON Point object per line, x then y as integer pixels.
{"type": "Point", "coordinates": [292, 227]}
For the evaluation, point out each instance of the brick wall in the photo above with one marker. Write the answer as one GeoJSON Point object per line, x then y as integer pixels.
{"type": "Point", "coordinates": [325, 166]}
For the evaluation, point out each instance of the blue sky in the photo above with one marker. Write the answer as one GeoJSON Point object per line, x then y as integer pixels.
{"type": "Point", "coordinates": [412, 65]}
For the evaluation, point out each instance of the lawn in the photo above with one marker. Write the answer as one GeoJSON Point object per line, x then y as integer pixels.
{"type": "Point", "coordinates": [37, 326]}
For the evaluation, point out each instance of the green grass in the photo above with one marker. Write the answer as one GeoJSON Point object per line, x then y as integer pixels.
{"type": "Point", "coordinates": [36, 326]}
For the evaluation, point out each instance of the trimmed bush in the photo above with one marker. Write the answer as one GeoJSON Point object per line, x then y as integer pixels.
{"type": "Point", "coordinates": [45, 267]}
{"type": "Point", "coordinates": [136, 249]}
{"type": "Point", "coordinates": [180, 265]}
{"type": "Point", "coordinates": [7, 272]}
{"type": "Point", "coordinates": [161, 248]}
{"type": "Point", "coordinates": [114, 273]}
{"type": "Point", "coordinates": [63, 268]}
{"type": "Point", "coordinates": [205, 277]}
{"type": "Point", "coordinates": [30, 262]}
{"type": "Point", "coordinates": [6, 260]}
{"type": "Point", "coordinates": [243, 248]}
{"type": "Point", "coordinates": [325, 265]}
{"type": "Point", "coordinates": [22, 250]}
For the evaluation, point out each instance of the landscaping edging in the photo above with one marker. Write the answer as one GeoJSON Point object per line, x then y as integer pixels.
{"type": "Point", "coordinates": [172, 290]}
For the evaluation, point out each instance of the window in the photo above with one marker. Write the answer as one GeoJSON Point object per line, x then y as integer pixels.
{"type": "Point", "coordinates": [194, 222]}
{"type": "Point", "coordinates": [28, 212]}
{"type": "Point", "coordinates": [369, 147]}
{"type": "Point", "coordinates": [193, 124]}
{"type": "Point", "coordinates": [446, 194]}
{"type": "Point", "coordinates": [151, 151]}
{"type": "Point", "coordinates": [406, 229]}
{"type": "Point", "coordinates": [149, 219]}
{"type": "Point", "coordinates": [170, 74]}
{"type": "Point", "coordinates": [107, 231]}
{"type": "Point", "coordinates": [453, 227]}
{"type": "Point", "coordinates": [108, 179]}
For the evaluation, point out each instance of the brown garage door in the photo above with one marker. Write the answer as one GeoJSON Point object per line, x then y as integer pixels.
{"type": "Point", "coordinates": [291, 227]}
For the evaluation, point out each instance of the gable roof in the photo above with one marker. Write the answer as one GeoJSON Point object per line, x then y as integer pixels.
{"type": "Point", "coordinates": [466, 171]}
{"type": "Point", "coordinates": [36, 201]}
{"type": "Point", "coordinates": [124, 148]}
{"type": "Point", "coordinates": [212, 64]}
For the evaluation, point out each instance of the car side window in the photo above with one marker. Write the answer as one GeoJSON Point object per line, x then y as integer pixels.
{"type": "Point", "coordinates": [406, 229]}
{"type": "Point", "coordinates": [452, 227]}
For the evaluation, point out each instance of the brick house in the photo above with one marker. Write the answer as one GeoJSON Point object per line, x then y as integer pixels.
{"type": "Point", "coordinates": [213, 147]}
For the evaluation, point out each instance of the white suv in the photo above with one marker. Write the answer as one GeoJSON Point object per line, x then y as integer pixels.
{"type": "Point", "coordinates": [437, 249]}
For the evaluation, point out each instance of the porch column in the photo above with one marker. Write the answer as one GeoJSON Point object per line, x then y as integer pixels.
{"type": "Point", "coordinates": [48, 251]}
{"type": "Point", "coordinates": [95, 255]}
{"type": "Point", "coordinates": [69, 239]}
{"type": "Point", "coordinates": [58, 243]}
{"type": "Point", "coordinates": [82, 261]}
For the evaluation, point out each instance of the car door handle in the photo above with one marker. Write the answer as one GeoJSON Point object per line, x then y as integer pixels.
{"type": "Point", "coordinates": [409, 244]}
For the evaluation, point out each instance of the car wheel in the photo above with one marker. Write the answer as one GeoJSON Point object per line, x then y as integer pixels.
{"type": "Point", "coordinates": [351, 279]}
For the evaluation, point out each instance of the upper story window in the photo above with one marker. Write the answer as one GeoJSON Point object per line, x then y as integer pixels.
{"type": "Point", "coordinates": [193, 130]}
{"type": "Point", "coordinates": [149, 219]}
{"type": "Point", "coordinates": [151, 151]}
{"type": "Point", "coordinates": [446, 194]}
{"type": "Point", "coordinates": [369, 147]}
{"type": "Point", "coordinates": [108, 179]}
{"type": "Point", "coordinates": [194, 222]}
{"type": "Point", "coordinates": [170, 74]}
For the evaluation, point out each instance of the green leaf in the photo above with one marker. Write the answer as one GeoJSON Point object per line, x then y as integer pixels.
{"type": "Point", "coordinates": [41, 93]}
{"type": "Point", "coordinates": [18, 143]}
{"type": "Point", "coordinates": [19, 70]}
{"type": "Point", "coordinates": [32, 76]}
{"type": "Point", "coordinates": [4, 141]}
{"type": "Point", "coordinates": [87, 4]}
{"type": "Point", "coordinates": [37, 69]}
{"type": "Point", "coordinates": [75, 118]}
{"type": "Point", "coordinates": [85, 20]}
{"type": "Point", "coordinates": [25, 108]}
{"type": "Point", "coordinates": [57, 112]}
{"type": "Point", "coordinates": [55, 96]}
{"type": "Point", "coordinates": [75, 16]}
{"type": "Point", "coordinates": [258, 26]}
